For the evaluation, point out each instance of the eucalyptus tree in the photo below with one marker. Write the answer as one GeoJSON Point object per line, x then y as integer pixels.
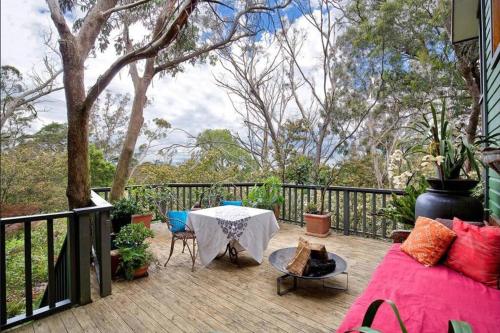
{"type": "Point", "coordinates": [255, 80]}
{"type": "Point", "coordinates": [209, 30]}
{"type": "Point", "coordinates": [20, 96]}
{"type": "Point", "coordinates": [329, 96]}
{"type": "Point", "coordinates": [77, 41]}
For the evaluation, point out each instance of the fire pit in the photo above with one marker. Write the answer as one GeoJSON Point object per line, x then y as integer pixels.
{"type": "Point", "coordinates": [280, 259]}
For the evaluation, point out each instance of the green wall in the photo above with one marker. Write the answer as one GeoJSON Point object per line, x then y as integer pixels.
{"type": "Point", "coordinates": [492, 108]}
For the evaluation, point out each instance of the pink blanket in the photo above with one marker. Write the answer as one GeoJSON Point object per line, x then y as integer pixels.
{"type": "Point", "coordinates": [427, 297]}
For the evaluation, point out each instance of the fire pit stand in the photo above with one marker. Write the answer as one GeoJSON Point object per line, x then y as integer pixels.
{"type": "Point", "coordinates": [280, 259]}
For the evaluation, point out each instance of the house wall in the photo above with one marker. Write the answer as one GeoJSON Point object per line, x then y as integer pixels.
{"type": "Point", "coordinates": [492, 108]}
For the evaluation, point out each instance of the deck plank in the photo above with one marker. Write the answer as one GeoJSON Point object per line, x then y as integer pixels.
{"type": "Point", "coordinates": [222, 297]}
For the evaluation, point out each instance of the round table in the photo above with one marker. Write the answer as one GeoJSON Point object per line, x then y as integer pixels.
{"type": "Point", "coordinates": [280, 259]}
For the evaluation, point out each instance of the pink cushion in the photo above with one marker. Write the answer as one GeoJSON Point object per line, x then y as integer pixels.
{"type": "Point", "coordinates": [427, 297]}
{"type": "Point", "coordinates": [476, 252]}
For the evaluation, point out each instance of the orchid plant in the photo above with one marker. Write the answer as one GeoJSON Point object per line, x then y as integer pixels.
{"type": "Point", "coordinates": [446, 148]}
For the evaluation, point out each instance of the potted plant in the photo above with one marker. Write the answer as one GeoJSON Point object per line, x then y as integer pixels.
{"type": "Point", "coordinates": [267, 196]}
{"type": "Point", "coordinates": [134, 253]}
{"type": "Point", "coordinates": [452, 156]}
{"type": "Point", "coordinates": [402, 207]}
{"type": "Point", "coordinates": [318, 223]}
{"type": "Point", "coordinates": [145, 205]}
{"type": "Point", "coordinates": [122, 212]}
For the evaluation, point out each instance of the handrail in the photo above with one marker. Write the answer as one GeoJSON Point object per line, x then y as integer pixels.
{"type": "Point", "coordinates": [87, 239]}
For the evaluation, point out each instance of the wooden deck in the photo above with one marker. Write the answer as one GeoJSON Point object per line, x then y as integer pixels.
{"type": "Point", "coordinates": [222, 297]}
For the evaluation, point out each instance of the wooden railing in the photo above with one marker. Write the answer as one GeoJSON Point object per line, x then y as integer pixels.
{"type": "Point", "coordinates": [354, 210]}
{"type": "Point", "coordinates": [68, 276]}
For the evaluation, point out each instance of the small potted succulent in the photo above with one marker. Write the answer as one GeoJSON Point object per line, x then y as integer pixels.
{"type": "Point", "coordinates": [134, 253]}
{"type": "Point", "coordinates": [266, 196]}
{"type": "Point", "coordinates": [318, 222]}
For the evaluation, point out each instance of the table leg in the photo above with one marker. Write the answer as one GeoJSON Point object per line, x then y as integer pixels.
{"type": "Point", "coordinates": [280, 280]}
{"type": "Point", "coordinates": [233, 255]}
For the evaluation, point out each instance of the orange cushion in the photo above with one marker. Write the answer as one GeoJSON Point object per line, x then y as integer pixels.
{"type": "Point", "coordinates": [428, 241]}
{"type": "Point", "coordinates": [476, 252]}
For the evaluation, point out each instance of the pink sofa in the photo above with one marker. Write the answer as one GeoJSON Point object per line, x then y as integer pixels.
{"type": "Point", "coordinates": [427, 297]}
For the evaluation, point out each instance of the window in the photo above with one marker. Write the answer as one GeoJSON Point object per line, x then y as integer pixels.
{"type": "Point", "coordinates": [495, 30]}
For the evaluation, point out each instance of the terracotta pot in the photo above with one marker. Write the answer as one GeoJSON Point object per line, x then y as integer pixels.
{"type": "Point", "coordinates": [144, 219]}
{"type": "Point", "coordinates": [318, 225]}
{"type": "Point", "coordinates": [277, 210]}
{"type": "Point", "coordinates": [142, 271]}
{"type": "Point", "coordinates": [115, 263]}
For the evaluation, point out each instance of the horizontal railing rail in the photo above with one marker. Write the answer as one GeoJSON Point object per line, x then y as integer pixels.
{"type": "Point", "coordinates": [68, 274]}
{"type": "Point", "coordinates": [354, 210]}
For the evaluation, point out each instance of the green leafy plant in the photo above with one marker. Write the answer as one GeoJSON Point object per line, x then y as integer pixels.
{"type": "Point", "coordinates": [402, 207]}
{"type": "Point", "coordinates": [447, 147]}
{"type": "Point", "coordinates": [454, 326]}
{"type": "Point", "coordinates": [124, 208]}
{"type": "Point", "coordinates": [311, 208]}
{"type": "Point", "coordinates": [150, 198]}
{"type": "Point", "coordinates": [266, 196]}
{"type": "Point", "coordinates": [132, 235]}
{"type": "Point", "coordinates": [133, 248]}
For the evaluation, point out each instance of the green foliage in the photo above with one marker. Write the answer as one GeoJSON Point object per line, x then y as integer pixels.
{"type": "Point", "coordinates": [52, 137]}
{"type": "Point", "coordinates": [133, 248]}
{"type": "Point", "coordinates": [132, 236]}
{"type": "Point", "coordinates": [14, 246]}
{"type": "Point", "coordinates": [101, 171]}
{"type": "Point", "coordinates": [29, 175]}
{"type": "Point", "coordinates": [124, 208]}
{"type": "Point", "coordinates": [266, 196]}
{"type": "Point", "coordinates": [402, 207]}
{"type": "Point", "coordinates": [447, 146]}
{"type": "Point", "coordinates": [299, 170]}
{"type": "Point", "coordinates": [311, 208]}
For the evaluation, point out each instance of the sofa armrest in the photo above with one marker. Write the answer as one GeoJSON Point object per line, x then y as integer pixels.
{"type": "Point", "coordinates": [398, 236]}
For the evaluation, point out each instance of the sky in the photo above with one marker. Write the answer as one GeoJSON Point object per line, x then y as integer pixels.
{"type": "Point", "coordinates": [191, 100]}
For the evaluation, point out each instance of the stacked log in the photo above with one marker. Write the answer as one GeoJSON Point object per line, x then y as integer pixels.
{"type": "Point", "coordinates": [306, 251]}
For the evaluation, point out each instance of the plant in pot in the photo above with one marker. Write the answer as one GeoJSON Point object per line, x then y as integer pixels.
{"type": "Point", "coordinates": [267, 196]}
{"type": "Point", "coordinates": [453, 159]}
{"type": "Point", "coordinates": [134, 253]}
{"type": "Point", "coordinates": [146, 204]}
{"type": "Point", "coordinates": [122, 212]}
{"type": "Point", "coordinates": [318, 220]}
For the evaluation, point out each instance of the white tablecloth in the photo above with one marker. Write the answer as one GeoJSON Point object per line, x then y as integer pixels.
{"type": "Point", "coordinates": [215, 227]}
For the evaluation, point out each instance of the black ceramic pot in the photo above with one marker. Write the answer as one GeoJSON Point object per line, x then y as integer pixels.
{"type": "Point", "coordinates": [449, 199]}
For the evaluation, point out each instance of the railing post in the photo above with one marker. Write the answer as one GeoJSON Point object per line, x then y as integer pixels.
{"type": "Point", "coordinates": [104, 244]}
{"type": "Point", "coordinates": [346, 213]}
{"type": "Point", "coordinates": [80, 244]}
{"type": "Point", "coordinates": [3, 277]}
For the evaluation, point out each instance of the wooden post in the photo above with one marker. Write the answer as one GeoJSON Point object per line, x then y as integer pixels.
{"type": "Point", "coordinates": [104, 244]}
{"type": "Point", "coordinates": [346, 213]}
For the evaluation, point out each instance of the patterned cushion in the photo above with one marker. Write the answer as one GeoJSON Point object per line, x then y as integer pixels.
{"type": "Point", "coordinates": [428, 241]}
{"type": "Point", "coordinates": [476, 252]}
{"type": "Point", "coordinates": [177, 220]}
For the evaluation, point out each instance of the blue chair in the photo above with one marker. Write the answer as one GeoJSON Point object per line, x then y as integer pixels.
{"type": "Point", "coordinates": [232, 203]}
{"type": "Point", "coordinates": [176, 222]}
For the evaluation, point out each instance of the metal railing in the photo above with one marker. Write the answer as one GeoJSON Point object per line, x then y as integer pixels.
{"type": "Point", "coordinates": [68, 275]}
{"type": "Point", "coordinates": [354, 210]}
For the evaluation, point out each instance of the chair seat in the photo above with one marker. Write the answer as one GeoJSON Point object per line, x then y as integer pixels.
{"type": "Point", "coordinates": [185, 234]}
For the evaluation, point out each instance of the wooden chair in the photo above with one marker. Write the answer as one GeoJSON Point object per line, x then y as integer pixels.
{"type": "Point", "coordinates": [185, 236]}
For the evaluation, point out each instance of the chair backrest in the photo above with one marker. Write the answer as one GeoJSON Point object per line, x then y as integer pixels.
{"type": "Point", "coordinates": [232, 203]}
{"type": "Point", "coordinates": [176, 220]}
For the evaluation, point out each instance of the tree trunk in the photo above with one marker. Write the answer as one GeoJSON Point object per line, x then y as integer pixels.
{"type": "Point", "coordinates": [78, 190]}
{"type": "Point", "coordinates": [134, 129]}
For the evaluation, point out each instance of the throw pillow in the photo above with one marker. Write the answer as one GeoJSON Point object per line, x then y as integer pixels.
{"type": "Point", "coordinates": [177, 220]}
{"type": "Point", "coordinates": [428, 241]}
{"type": "Point", "coordinates": [476, 252]}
